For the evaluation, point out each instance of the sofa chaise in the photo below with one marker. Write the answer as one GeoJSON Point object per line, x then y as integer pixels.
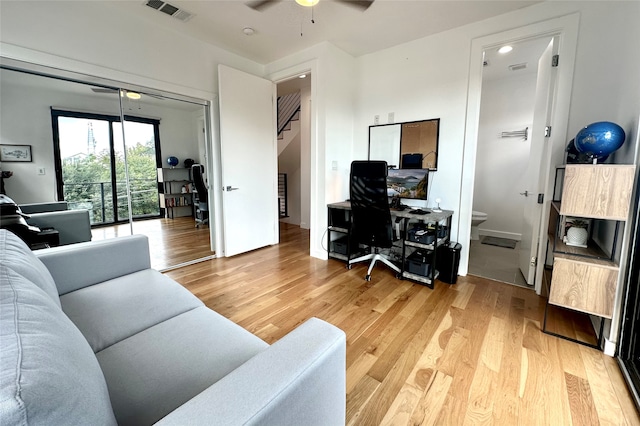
{"type": "Point", "coordinates": [91, 335]}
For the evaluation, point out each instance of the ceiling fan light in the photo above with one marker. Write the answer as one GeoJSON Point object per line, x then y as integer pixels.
{"type": "Point", "coordinates": [133, 95]}
{"type": "Point", "coordinates": [307, 3]}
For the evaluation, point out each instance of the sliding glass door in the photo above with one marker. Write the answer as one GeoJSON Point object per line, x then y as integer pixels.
{"type": "Point", "coordinates": [85, 172]}
{"type": "Point", "coordinates": [91, 159]}
{"type": "Point", "coordinates": [142, 159]}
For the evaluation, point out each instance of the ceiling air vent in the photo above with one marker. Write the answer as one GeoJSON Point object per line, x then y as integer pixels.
{"type": "Point", "coordinates": [169, 9]}
{"type": "Point", "coordinates": [518, 67]}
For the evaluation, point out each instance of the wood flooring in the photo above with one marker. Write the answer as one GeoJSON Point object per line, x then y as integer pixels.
{"type": "Point", "coordinates": [171, 241]}
{"type": "Point", "coordinates": [469, 353]}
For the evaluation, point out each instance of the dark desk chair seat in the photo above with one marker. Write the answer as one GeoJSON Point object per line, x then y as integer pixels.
{"type": "Point", "coordinates": [371, 223]}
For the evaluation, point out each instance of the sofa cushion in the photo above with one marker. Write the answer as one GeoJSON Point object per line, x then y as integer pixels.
{"type": "Point", "coordinates": [154, 372]}
{"type": "Point", "coordinates": [16, 255]}
{"type": "Point", "coordinates": [111, 311]}
{"type": "Point", "coordinates": [48, 373]}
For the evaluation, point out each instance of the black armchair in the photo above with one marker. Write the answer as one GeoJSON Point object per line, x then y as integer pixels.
{"type": "Point", "coordinates": [371, 223]}
{"type": "Point", "coordinates": [202, 208]}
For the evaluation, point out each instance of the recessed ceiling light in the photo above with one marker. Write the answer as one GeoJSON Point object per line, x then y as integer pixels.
{"type": "Point", "coordinates": [302, 76]}
{"type": "Point", "coordinates": [505, 49]}
{"type": "Point", "coordinates": [307, 3]}
{"type": "Point", "coordinates": [129, 94]}
{"type": "Point", "coordinates": [248, 31]}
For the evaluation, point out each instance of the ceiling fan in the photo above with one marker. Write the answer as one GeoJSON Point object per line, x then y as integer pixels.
{"type": "Point", "coordinates": [261, 5]}
{"type": "Point", "coordinates": [124, 93]}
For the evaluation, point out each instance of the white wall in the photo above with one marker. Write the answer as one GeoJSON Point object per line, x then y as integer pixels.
{"type": "Point", "coordinates": [295, 162]}
{"type": "Point", "coordinates": [332, 89]}
{"type": "Point", "coordinates": [425, 78]}
{"type": "Point", "coordinates": [507, 105]}
{"type": "Point", "coordinates": [429, 77]}
{"type": "Point", "coordinates": [100, 35]}
{"type": "Point", "coordinates": [305, 157]}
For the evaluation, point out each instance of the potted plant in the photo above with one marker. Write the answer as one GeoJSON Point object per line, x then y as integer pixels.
{"type": "Point", "coordinates": [577, 233]}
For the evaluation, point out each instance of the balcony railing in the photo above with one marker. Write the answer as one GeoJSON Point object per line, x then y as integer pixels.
{"type": "Point", "coordinates": [97, 197]}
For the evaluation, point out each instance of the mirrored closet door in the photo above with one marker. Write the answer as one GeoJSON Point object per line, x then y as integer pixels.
{"type": "Point", "coordinates": [125, 155]}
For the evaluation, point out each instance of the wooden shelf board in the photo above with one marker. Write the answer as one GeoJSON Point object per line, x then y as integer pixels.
{"type": "Point", "coordinates": [592, 251]}
{"type": "Point", "coordinates": [338, 229]}
{"type": "Point", "coordinates": [420, 278]}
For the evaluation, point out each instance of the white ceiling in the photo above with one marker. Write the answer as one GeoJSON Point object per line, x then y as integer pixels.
{"type": "Point", "coordinates": [278, 28]}
{"type": "Point", "coordinates": [524, 52]}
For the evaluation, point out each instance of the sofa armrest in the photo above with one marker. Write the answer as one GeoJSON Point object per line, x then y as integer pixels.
{"type": "Point", "coordinates": [299, 380]}
{"type": "Point", "coordinates": [73, 226]}
{"type": "Point", "coordinates": [81, 265]}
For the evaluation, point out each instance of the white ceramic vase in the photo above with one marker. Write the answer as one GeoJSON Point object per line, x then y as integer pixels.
{"type": "Point", "coordinates": [577, 236]}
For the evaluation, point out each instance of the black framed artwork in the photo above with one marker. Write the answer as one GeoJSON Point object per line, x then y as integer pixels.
{"type": "Point", "coordinates": [15, 153]}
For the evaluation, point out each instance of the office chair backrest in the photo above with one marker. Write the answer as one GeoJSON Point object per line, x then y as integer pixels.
{"type": "Point", "coordinates": [371, 218]}
{"type": "Point", "coordinates": [197, 171]}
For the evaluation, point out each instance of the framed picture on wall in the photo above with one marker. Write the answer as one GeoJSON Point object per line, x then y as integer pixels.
{"type": "Point", "coordinates": [15, 153]}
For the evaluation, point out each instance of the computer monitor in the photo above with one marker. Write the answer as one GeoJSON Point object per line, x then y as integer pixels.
{"type": "Point", "coordinates": [408, 183]}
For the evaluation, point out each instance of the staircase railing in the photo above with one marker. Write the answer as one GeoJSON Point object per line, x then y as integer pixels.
{"type": "Point", "coordinates": [283, 205]}
{"type": "Point", "coordinates": [288, 106]}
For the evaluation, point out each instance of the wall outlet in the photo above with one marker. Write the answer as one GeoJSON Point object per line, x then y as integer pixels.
{"type": "Point", "coordinates": [376, 119]}
{"type": "Point", "coordinates": [334, 165]}
{"type": "Point", "coordinates": [41, 170]}
{"type": "Point", "coordinates": [391, 117]}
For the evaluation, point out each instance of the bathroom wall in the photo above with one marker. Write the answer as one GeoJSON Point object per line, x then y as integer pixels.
{"type": "Point", "coordinates": [507, 105]}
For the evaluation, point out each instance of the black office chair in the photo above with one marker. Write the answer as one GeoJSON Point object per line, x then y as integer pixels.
{"type": "Point", "coordinates": [370, 216]}
{"type": "Point", "coordinates": [202, 209]}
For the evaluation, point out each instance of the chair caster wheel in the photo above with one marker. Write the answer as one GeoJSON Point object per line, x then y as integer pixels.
{"type": "Point", "coordinates": [367, 278]}
{"type": "Point", "coordinates": [399, 276]}
{"type": "Point", "coordinates": [349, 266]}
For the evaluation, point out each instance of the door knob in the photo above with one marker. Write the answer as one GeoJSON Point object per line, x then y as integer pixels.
{"type": "Point", "coordinates": [525, 193]}
{"type": "Point", "coordinates": [230, 188]}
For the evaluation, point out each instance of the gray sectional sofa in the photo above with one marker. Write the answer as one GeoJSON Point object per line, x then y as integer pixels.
{"type": "Point", "coordinates": [90, 335]}
{"type": "Point", "coordinates": [73, 226]}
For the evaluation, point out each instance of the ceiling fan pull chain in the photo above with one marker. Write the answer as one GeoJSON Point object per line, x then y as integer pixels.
{"type": "Point", "coordinates": [312, 21]}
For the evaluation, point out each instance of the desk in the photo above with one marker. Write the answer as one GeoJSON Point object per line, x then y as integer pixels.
{"type": "Point", "coordinates": [340, 245]}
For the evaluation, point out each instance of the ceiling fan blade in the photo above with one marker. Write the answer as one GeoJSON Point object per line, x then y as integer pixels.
{"type": "Point", "coordinates": [261, 5]}
{"type": "Point", "coordinates": [358, 4]}
{"type": "Point", "coordinates": [103, 90]}
{"type": "Point", "coordinates": [162, 98]}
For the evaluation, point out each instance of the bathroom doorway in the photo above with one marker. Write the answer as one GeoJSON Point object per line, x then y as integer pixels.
{"type": "Point", "coordinates": [508, 161]}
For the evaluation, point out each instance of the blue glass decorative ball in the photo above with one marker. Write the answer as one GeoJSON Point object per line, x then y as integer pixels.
{"type": "Point", "coordinates": [599, 139]}
{"type": "Point", "coordinates": [173, 161]}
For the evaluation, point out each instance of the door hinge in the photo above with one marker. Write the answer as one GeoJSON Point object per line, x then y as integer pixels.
{"type": "Point", "coordinates": [534, 261]}
{"type": "Point", "coordinates": [540, 198]}
{"type": "Point", "coordinates": [555, 60]}
{"type": "Point", "coordinates": [547, 131]}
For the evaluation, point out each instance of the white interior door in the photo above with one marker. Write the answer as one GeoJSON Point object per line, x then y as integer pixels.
{"type": "Point", "coordinates": [249, 161]}
{"type": "Point", "coordinates": [536, 170]}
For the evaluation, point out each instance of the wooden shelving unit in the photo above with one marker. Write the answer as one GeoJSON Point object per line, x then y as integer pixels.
{"type": "Point", "coordinates": [585, 279]}
{"type": "Point", "coordinates": [173, 200]}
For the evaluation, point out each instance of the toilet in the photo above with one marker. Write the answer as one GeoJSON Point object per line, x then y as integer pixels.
{"type": "Point", "coordinates": [476, 219]}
